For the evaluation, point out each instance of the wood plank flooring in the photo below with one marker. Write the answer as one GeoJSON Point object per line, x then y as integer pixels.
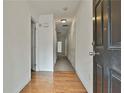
{"type": "Point", "coordinates": [57, 82]}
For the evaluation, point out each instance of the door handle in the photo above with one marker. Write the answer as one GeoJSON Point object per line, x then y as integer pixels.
{"type": "Point", "coordinates": [94, 53]}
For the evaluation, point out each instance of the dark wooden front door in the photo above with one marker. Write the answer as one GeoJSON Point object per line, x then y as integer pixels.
{"type": "Point", "coordinates": [107, 42]}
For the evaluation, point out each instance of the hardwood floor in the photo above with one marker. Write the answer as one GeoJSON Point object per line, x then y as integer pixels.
{"type": "Point", "coordinates": [57, 82]}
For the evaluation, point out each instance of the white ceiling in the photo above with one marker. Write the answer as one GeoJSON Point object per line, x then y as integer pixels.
{"type": "Point", "coordinates": [56, 7]}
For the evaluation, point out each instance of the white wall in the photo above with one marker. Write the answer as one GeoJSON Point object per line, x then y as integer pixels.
{"type": "Point", "coordinates": [17, 46]}
{"type": "Point", "coordinates": [84, 38]}
{"type": "Point", "coordinates": [44, 46]}
{"type": "Point", "coordinates": [71, 44]}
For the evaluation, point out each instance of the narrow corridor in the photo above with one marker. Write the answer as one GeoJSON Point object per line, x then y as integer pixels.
{"type": "Point", "coordinates": [57, 82]}
{"type": "Point", "coordinates": [63, 64]}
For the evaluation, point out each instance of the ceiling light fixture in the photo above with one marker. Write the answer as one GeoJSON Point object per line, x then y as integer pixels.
{"type": "Point", "coordinates": [63, 20]}
{"type": "Point", "coordinates": [65, 8]}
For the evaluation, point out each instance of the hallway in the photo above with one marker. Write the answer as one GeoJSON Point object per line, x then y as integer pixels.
{"type": "Point", "coordinates": [38, 32]}
{"type": "Point", "coordinates": [57, 82]}
{"type": "Point", "coordinates": [63, 64]}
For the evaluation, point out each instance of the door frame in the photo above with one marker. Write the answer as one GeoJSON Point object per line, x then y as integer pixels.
{"type": "Point", "coordinates": [95, 5]}
{"type": "Point", "coordinates": [33, 49]}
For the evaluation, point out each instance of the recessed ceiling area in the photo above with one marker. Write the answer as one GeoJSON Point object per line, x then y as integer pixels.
{"type": "Point", "coordinates": [62, 29]}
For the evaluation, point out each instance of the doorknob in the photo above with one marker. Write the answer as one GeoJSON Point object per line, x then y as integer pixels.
{"type": "Point", "coordinates": [94, 53]}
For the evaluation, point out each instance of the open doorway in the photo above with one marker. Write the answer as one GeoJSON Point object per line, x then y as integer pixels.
{"type": "Point", "coordinates": [33, 45]}
{"type": "Point", "coordinates": [62, 44]}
